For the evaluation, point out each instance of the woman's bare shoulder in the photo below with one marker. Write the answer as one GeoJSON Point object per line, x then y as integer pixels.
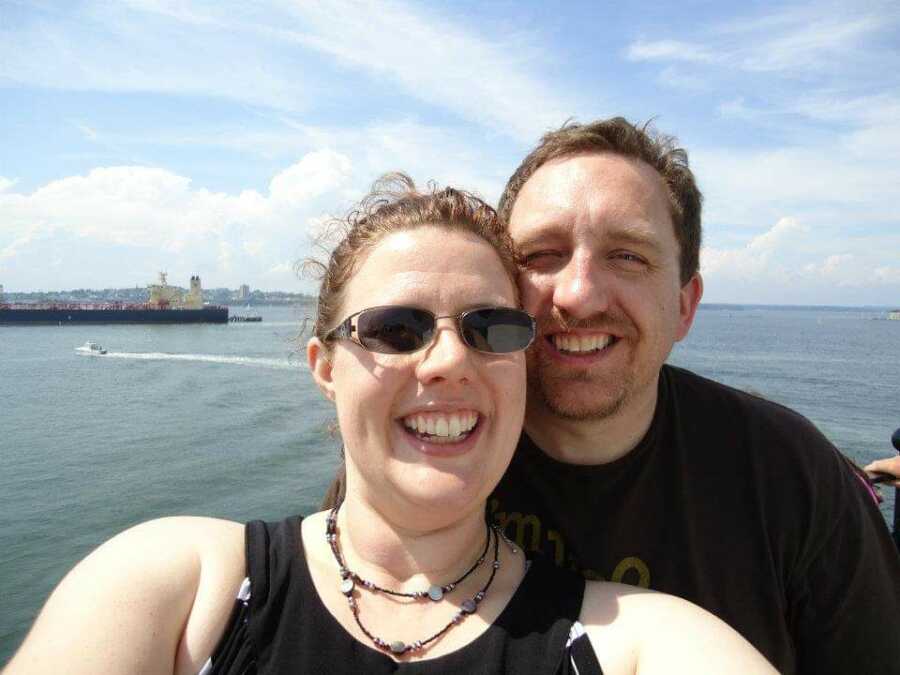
{"type": "Point", "coordinates": [638, 630]}
{"type": "Point", "coordinates": [155, 595]}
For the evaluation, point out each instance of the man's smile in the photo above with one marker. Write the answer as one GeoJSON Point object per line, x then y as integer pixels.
{"type": "Point", "coordinates": [575, 343]}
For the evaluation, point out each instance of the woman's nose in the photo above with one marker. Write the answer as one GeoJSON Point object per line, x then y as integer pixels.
{"type": "Point", "coordinates": [447, 357]}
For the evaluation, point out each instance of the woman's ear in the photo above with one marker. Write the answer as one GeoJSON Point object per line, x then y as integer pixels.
{"type": "Point", "coordinates": [319, 362]}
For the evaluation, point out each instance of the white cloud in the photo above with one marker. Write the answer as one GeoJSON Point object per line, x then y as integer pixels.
{"type": "Point", "coordinates": [226, 256]}
{"type": "Point", "coordinates": [783, 231]}
{"type": "Point", "coordinates": [86, 131]}
{"type": "Point", "coordinates": [758, 259]}
{"type": "Point", "coordinates": [269, 54]}
{"type": "Point", "coordinates": [786, 262]}
{"type": "Point", "coordinates": [737, 108]}
{"type": "Point", "coordinates": [808, 45]}
{"type": "Point", "coordinates": [874, 122]}
{"type": "Point", "coordinates": [254, 248]}
{"type": "Point", "coordinates": [838, 269]}
{"type": "Point", "coordinates": [823, 185]}
{"type": "Point", "coordinates": [888, 275]}
{"type": "Point", "coordinates": [314, 175]}
{"type": "Point", "coordinates": [153, 219]}
{"type": "Point", "coordinates": [6, 183]}
{"type": "Point", "coordinates": [163, 220]}
{"type": "Point", "coordinates": [20, 242]}
{"type": "Point", "coordinates": [445, 154]}
{"type": "Point", "coordinates": [111, 47]}
{"type": "Point", "coordinates": [669, 50]}
{"type": "Point", "coordinates": [676, 78]}
{"type": "Point", "coordinates": [488, 80]}
{"type": "Point", "coordinates": [790, 41]}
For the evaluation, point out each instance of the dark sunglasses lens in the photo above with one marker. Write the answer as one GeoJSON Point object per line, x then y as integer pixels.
{"type": "Point", "coordinates": [394, 330]}
{"type": "Point", "coordinates": [498, 330]}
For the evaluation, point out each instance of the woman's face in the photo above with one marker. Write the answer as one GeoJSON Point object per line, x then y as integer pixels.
{"type": "Point", "coordinates": [386, 403]}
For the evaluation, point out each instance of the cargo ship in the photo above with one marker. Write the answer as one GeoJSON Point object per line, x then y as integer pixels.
{"type": "Point", "coordinates": [167, 304]}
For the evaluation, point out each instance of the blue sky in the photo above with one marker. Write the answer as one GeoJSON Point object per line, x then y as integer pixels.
{"type": "Point", "coordinates": [215, 138]}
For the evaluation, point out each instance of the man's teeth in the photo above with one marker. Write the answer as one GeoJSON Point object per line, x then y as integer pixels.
{"type": "Point", "coordinates": [580, 343]}
{"type": "Point", "coordinates": [441, 426]}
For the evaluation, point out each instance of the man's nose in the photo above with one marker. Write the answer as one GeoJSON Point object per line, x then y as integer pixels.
{"type": "Point", "coordinates": [580, 289]}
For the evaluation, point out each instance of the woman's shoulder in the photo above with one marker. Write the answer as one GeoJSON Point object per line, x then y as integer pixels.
{"type": "Point", "coordinates": [633, 629]}
{"type": "Point", "coordinates": [163, 588]}
{"type": "Point", "coordinates": [193, 532]}
{"type": "Point", "coordinates": [207, 538]}
{"type": "Point", "coordinates": [181, 553]}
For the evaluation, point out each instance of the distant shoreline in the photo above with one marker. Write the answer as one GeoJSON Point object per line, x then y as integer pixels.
{"type": "Point", "coordinates": [226, 296]}
{"type": "Point", "coordinates": [213, 296]}
{"type": "Point", "coordinates": [718, 306]}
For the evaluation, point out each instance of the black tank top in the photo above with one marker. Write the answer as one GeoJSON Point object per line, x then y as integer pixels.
{"type": "Point", "coordinates": [283, 626]}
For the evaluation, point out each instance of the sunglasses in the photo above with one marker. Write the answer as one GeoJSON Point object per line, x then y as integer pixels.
{"type": "Point", "coordinates": [395, 329]}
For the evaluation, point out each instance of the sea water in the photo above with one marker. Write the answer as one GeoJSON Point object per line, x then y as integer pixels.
{"type": "Point", "coordinates": [224, 420]}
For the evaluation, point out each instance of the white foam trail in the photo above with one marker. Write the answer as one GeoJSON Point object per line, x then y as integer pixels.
{"type": "Point", "coordinates": [265, 324]}
{"type": "Point", "coordinates": [277, 364]}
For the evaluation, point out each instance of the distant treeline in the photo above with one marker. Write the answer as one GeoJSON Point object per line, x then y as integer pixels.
{"type": "Point", "coordinates": [215, 296]}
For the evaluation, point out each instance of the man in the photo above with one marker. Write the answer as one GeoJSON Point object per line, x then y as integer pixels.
{"type": "Point", "coordinates": [635, 471]}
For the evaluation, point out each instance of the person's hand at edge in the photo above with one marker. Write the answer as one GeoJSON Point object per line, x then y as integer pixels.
{"type": "Point", "coordinates": [890, 465]}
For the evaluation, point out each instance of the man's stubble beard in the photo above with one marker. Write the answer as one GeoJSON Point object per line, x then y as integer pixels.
{"type": "Point", "coordinates": [596, 398]}
{"type": "Point", "coordinates": [591, 399]}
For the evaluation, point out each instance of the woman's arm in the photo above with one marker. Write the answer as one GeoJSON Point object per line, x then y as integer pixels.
{"type": "Point", "coordinates": [153, 599]}
{"type": "Point", "coordinates": [637, 631]}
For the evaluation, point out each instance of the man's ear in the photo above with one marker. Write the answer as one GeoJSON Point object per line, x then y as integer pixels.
{"type": "Point", "coordinates": [319, 362]}
{"type": "Point", "coordinates": [689, 300]}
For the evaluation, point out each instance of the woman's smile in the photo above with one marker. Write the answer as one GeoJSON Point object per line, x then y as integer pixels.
{"type": "Point", "coordinates": [442, 434]}
{"type": "Point", "coordinates": [442, 427]}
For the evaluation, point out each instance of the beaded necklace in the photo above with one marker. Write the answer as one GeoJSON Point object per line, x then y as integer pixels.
{"type": "Point", "coordinates": [350, 579]}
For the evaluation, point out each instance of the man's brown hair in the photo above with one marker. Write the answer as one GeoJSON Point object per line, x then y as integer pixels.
{"type": "Point", "coordinates": [619, 136]}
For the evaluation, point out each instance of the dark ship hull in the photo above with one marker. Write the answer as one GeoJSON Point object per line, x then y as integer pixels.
{"type": "Point", "coordinates": [78, 315]}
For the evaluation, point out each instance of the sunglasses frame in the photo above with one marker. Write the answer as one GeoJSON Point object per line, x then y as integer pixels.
{"type": "Point", "coordinates": [346, 330]}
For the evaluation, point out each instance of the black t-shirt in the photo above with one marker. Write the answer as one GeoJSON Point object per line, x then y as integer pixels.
{"type": "Point", "coordinates": [737, 504]}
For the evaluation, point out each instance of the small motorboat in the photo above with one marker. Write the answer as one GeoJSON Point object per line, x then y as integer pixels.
{"type": "Point", "coordinates": [91, 349]}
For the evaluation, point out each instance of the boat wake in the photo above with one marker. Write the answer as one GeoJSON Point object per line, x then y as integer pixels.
{"type": "Point", "coordinates": [265, 324]}
{"type": "Point", "coordinates": [275, 364]}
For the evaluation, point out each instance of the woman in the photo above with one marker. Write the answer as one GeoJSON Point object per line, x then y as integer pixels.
{"type": "Point", "coordinates": [419, 343]}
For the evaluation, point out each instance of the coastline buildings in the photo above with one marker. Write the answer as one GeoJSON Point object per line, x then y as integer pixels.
{"type": "Point", "coordinates": [138, 294]}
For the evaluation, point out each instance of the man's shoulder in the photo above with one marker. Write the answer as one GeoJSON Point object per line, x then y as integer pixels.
{"type": "Point", "coordinates": [720, 418]}
{"type": "Point", "coordinates": [688, 390]}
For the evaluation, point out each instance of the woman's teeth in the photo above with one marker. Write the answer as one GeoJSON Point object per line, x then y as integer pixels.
{"type": "Point", "coordinates": [442, 427]}
{"type": "Point", "coordinates": [580, 343]}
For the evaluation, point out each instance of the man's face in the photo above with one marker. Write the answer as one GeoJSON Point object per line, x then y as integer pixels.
{"type": "Point", "coordinates": [601, 275]}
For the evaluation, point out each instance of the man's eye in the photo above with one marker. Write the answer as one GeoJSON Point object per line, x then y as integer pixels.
{"type": "Point", "coordinates": [538, 259]}
{"type": "Point", "coordinates": [629, 258]}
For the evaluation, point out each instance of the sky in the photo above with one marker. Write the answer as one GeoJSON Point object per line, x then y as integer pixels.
{"type": "Point", "coordinates": [217, 138]}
